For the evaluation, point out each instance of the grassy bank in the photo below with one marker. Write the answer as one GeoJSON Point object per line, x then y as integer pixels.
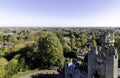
{"type": "Point", "coordinates": [24, 73]}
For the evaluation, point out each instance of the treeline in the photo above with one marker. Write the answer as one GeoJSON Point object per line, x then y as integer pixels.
{"type": "Point", "coordinates": [44, 48]}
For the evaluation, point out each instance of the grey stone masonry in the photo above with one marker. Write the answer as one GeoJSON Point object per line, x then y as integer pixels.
{"type": "Point", "coordinates": [103, 63]}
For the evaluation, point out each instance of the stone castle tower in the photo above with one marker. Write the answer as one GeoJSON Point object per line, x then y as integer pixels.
{"type": "Point", "coordinates": [103, 60]}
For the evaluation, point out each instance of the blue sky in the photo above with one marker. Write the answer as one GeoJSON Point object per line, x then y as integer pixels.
{"type": "Point", "coordinates": [60, 13]}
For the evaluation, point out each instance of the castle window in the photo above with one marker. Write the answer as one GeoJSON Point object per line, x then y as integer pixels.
{"type": "Point", "coordinates": [98, 63]}
{"type": "Point", "coordinates": [115, 56]}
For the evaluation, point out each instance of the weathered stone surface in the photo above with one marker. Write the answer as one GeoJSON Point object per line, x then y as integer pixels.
{"type": "Point", "coordinates": [102, 61]}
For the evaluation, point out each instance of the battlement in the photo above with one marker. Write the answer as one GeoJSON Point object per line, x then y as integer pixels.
{"type": "Point", "coordinates": [103, 60]}
{"type": "Point", "coordinates": [108, 39]}
{"type": "Point", "coordinates": [76, 70]}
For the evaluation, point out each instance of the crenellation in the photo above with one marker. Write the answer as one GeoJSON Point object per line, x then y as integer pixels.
{"type": "Point", "coordinates": [106, 60]}
{"type": "Point", "coordinates": [102, 61]}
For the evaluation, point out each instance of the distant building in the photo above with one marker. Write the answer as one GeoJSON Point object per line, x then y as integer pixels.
{"type": "Point", "coordinates": [8, 45]}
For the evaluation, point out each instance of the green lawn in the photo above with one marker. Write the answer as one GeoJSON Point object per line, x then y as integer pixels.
{"type": "Point", "coordinates": [24, 73]}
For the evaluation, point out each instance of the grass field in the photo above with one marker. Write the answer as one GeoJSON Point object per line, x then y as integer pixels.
{"type": "Point", "coordinates": [24, 73]}
{"type": "Point", "coordinates": [27, 74]}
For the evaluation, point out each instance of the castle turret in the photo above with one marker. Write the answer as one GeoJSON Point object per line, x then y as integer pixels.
{"type": "Point", "coordinates": [104, 62]}
{"type": "Point", "coordinates": [108, 39]}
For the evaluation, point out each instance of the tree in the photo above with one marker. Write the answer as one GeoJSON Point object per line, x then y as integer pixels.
{"type": "Point", "coordinates": [73, 43]}
{"type": "Point", "coordinates": [67, 48]}
{"type": "Point", "coordinates": [20, 65]}
{"type": "Point", "coordinates": [61, 37]}
{"type": "Point", "coordinates": [3, 63]}
{"type": "Point", "coordinates": [31, 36]}
{"type": "Point", "coordinates": [6, 50]}
{"type": "Point", "coordinates": [50, 50]}
{"type": "Point", "coordinates": [10, 70]}
{"type": "Point", "coordinates": [14, 39]}
{"type": "Point", "coordinates": [83, 39]}
{"type": "Point", "coordinates": [1, 38]}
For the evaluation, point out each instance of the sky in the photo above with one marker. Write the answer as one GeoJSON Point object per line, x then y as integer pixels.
{"type": "Point", "coordinates": [63, 13]}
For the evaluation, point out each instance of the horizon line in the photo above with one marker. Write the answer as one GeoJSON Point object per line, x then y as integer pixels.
{"type": "Point", "coordinates": [44, 26]}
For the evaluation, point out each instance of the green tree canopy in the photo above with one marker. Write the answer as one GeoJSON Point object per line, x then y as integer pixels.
{"type": "Point", "coordinates": [94, 43]}
{"type": "Point", "coordinates": [50, 50]}
{"type": "Point", "coordinates": [67, 48]}
{"type": "Point", "coordinates": [3, 63]}
{"type": "Point", "coordinates": [1, 38]}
